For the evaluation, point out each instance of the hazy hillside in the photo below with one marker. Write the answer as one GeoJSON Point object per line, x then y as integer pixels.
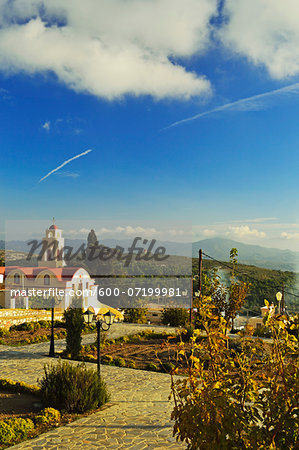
{"type": "Point", "coordinates": [264, 283]}
{"type": "Point", "coordinates": [271, 258]}
{"type": "Point", "coordinates": [218, 248]}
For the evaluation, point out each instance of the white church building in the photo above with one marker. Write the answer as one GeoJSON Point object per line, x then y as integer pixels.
{"type": "Point", "coordinates": [50, 279]}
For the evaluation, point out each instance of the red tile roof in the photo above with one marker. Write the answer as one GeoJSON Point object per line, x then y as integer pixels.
{"type": "Point", "coordinates": [32, 272]}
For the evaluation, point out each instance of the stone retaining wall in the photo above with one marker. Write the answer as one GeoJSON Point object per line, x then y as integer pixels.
{"type": "Point", "coordinates": [9, 317]}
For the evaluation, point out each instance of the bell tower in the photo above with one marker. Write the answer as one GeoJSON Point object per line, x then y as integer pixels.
{"type": "Point", "coordinates": [53, 244]}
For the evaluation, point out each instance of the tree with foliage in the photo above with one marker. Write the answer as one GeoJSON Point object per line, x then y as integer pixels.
{"type": "Point", "coordinates": [135, 315]}
{"type": "Point", "coordinates": [227, 300]}
{"type": "Point", "coordinates": [175, 317]}
{"type": "Point", "coordinates": [241, 398]}
{"type": "Point", "coordinates": [237, 292]}
{"type": "Point", "coordinates": [74, 323]}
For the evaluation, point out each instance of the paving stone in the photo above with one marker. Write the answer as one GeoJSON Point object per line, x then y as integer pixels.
{"type": "Point", "coordinates": [138, 415]}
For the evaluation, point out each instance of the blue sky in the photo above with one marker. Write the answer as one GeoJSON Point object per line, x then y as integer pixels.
{"type": "Point", "coordinates": [116, 85]}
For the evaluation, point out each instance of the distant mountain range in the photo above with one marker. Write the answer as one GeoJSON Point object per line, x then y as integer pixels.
{"type": "Point", "coordinates": [218, 248]}
{"type": "Point", "coordinates": [256, 255]}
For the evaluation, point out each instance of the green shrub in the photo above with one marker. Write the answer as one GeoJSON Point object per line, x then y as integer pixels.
{"type": "Point", "coordinates": [135, 315]}
{"type": "Point", "coordinates": [7, 434]}
{"type": "Point", "coordinates": [59, 323]}
{"type": "Point", "coordinates": [18, 386]}
{"type": "Point", "coordinates": [87, 348]}
{"type": "Point", "coordinates": [187, 333]}
{"type": "Point", "coordinates": [249, 396]}
{"type": "Point", "coordinates": [74, 322]}
{"type": "Point", "coordinates": [167, 366]}
{"type": "Point", "coordinates": [124, 339]}
{"type": "Point", "coordinates": [44, 323]}
{"type": "Point", "coordinates": [90, 358]}
{"type": "Point", "coordinates": [175, 317]}
{"type": "Point", "coordinates": [107, 359]}
{"type": "Point", "coordinates": [72, 388]}
{"type": "Point", "coordinates": [120, 362]}
{"type": "Point", "coordinates": [25, 326]}
{"type": "Point", "coordinates": [15, 429]}
{"type": "Point", "coordinates": [48, 416]}
{"type": "Point", "coordinates": [262, 332]}
{"type": "Point", "coordinates": [3, 332]}
{"type": "Point", "coordinates": [135, 338]}
{"type": "Point", "coordinates": [130, 363]}
{"type": "Point", "coordinates": [151, 366]}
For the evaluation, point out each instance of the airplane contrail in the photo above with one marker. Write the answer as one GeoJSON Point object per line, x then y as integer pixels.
{"type": "Point", "coordinates": [64, 164]}
{"type": "Point", "coordinates": [239, 103]}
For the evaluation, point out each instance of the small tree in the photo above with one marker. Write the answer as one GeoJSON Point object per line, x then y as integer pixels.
{"type": "Point", "coordinates": [227, 300]}
{"type": "Point", "coordinates": [74, 323]}
{"type": "Point", "coordinates": [237, 292]}
{"type": "Point", "coordinates": [241, 398]}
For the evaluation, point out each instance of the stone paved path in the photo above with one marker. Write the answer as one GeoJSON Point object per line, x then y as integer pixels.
{"type": "Point", "coordinates": [138, 416]}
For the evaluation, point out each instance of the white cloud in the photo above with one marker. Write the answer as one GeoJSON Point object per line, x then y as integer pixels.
{"type": "Point", "coordinates": [266, 32]}
{"type": "Point", "coordinates": [208, 232]}
{"type": "Point", "coordinates": [253, 103]}
{"type": "Point", "coordinates": [174, 232]}
{"type": "Point", "coordinates": [289, 236]}
{"type": "Point", "coordinates": [108, 48]}
{"type": "Point", "coordinates": [47, 125]}
{"type": "Point", "coordinates": [64, 164]}
{"type": "Point", "coordinates": [245, 231]}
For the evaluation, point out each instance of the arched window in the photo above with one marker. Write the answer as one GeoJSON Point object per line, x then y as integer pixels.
{"type": "Point", "coordinates": [46, 280]}
{"type": "Point", "coordinates": [17, 278]}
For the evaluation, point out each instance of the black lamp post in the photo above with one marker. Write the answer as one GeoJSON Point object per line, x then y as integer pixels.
{"type": "Point", "coordinates": [55, 302]}
{"type": "Point", "coordinates": [101, 324]}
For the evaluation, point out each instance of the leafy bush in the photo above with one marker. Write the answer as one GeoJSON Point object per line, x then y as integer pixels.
{"type": "Point", "coordinates": [135, 338]}
{"type": "Point", "coordinates": [15, 429]}
{"type": "Point", "coordinates": [48, 416]}
{"type": "Point", "coordinates": [18, 386]}
{"type": "Point", "coordinates": [25, 326]}
{"type": "Point", "coordinates": [90, 358]}
{"type": "Point", "coordinates": [130, 363]}
{"type": "Point", "coordinates": [135, 315]}
{"type": "Point", "coordinates": [3, 332]}
{"type": "Point", "coordinates": [7, 434]}
{"type": "Point", "coordinates": [262, 332]}
{"type": "Point", "coordinates": [59, 324]}
{"type": "Point", "coordinates": [73, 388]}
{"type": "Point", "coordinates": [186, 333]}
{"type": "Point", "coordinates": [120, 362]}
{"type": "Point", "coordinates": [107, 359]}
{"type": "Point", "coordinates": [44, 323]}
{"type": "Point", "coordinates": [151, 366]}
{"type": "Point", "coordinates": [247, 398]}
{"type": "Point", "coordinates": [167, 366]}
{"type": "Point", "coordinates": [175, 317]}
{"type": "Point", "coordinates": [74, 322]}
